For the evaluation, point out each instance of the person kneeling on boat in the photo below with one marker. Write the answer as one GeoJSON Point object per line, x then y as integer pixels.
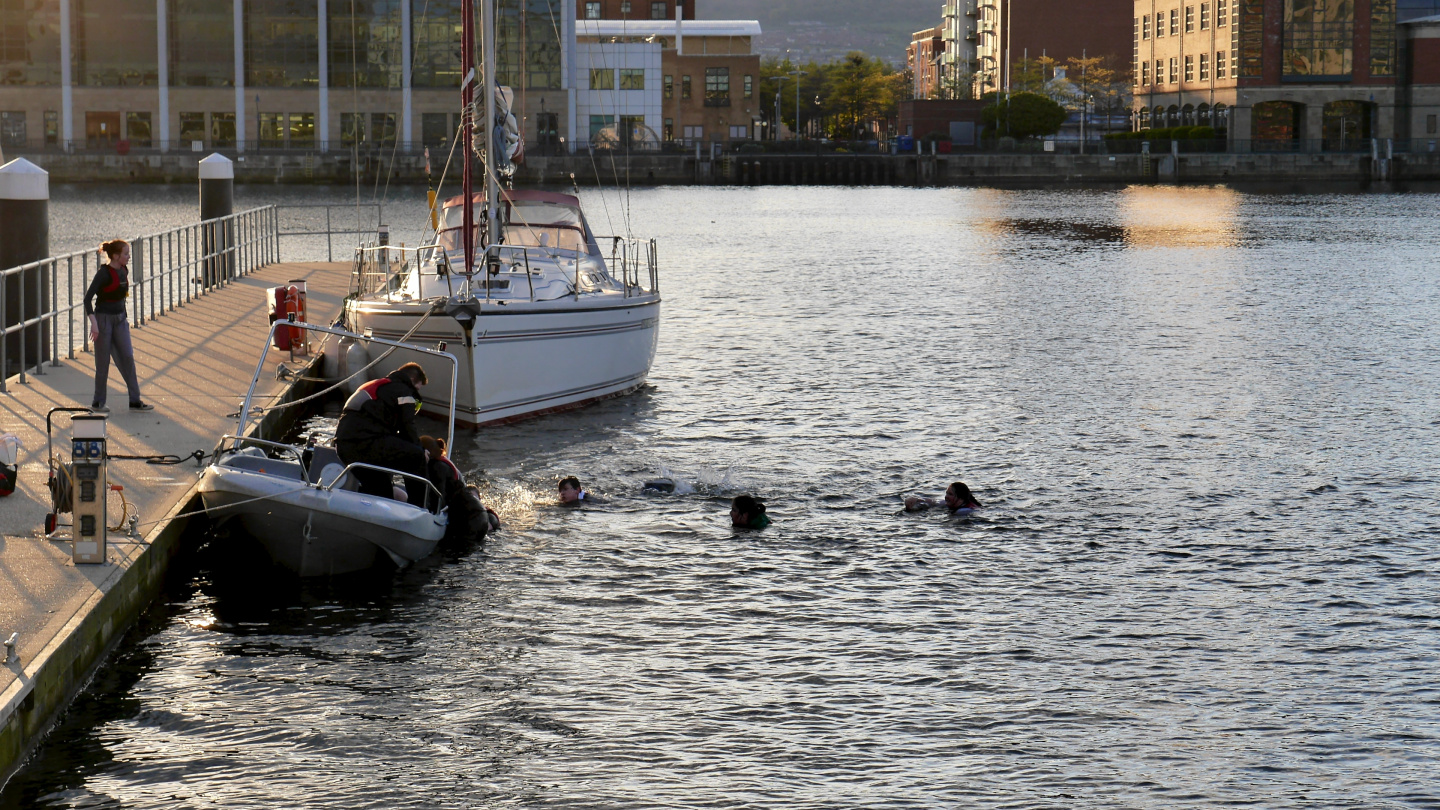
{"type": "Point", "coordinates": [377, 427]}
{"type": "Point", "coordinates": [957, 497]}
{"type": "Point", "coordinates": [470, 519]}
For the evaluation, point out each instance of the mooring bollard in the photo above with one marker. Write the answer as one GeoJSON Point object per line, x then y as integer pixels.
{"type": "Point", "coordinates": [217, 200]}
{"type": "Point", "coordinates": [25, 238]}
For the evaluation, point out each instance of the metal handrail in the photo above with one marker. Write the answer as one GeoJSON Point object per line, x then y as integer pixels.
{"type": "Point", "coordinates": [329, 232]}
{"type": "Point", "coordinates": [439, 499]}
{"type": "Point", "coordinates": [167, 270]}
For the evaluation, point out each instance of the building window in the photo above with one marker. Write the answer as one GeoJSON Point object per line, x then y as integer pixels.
{"type": "Point", "coordinates": [599, 123]}
{"type": "Point", "coordinates": [1222, 13]}
{"type": "Point", "coordinates": [222, 129]}
{"type": "Point", "coordinates": [694, 134]}
{"type": "Point", "coordinates": [602, 79]}
{"type": "Point", "coordinates": [739, 133]}
{"type": "Point", "coordinates": [632, 78]}
{"type": "Point", "coordinates": [1189, 19]}
{"type": "Point", "coordinates": [30, 45]}
{"type": "Point", "coordinates": [658, 11]}
{"type": "Point", "coordinates": [749, 86]}
{"type": "Point", "coordinates": [113, 42]}
{"type": "Point", "coordinates": [52, 127]}
{"type": "Point", "coordinates": [1174, 70]}
{"type": "Point", "coordinates": [1189, 68]}
{"type": "Point", "coordinates": [669, 87]}
{"type": "Point", "coordinates": [684, 87]}
{"type": "Point", "coordinates": [1145, 27]}
{"type": "Point", "coordinates": [1159, 24]}
{"type": "Point", "coordinates": [1174, 22]}
{"type": "Point", "coordinates": [382, 128]}
{"type": "Point", "coordinates": [1204, 16]}
{"type": "Point", "coordinates": [137, 129]}
{"type": "Point", "coordinates": [1430, 125]}
{"type": "Point", "coordinates": [1204, 67]}
{"type": "Point", "coordinates": [352, 128]}
{"type": "Point", "coordinates": [434, 129]}
{"type": "Point", "coordinates": [201, 42]}
{"type": "Point", "coordinates": [192, 128]}
{"type": "Point", "coordinates": [669, 129]}
{"type": "Point", "coordinates": [282, 43]}
{"type": "Point", "coordinates": [1319, 39]}
{"type": "Point", "coordinates": [272, 130]}
{"type": "Point", "coordinates": [12, 128]}
{"type": "Point", "coordinates": [717, 87]}
{"type": "Point", "coordinates": [592, 11]}
{"type": "Point", "coordinates": [1159, 72]}
{"type": "Point", "coordinates": [547, 128]}
{"type": "Point", "coordinates": [1219, 64]}
{"type": "Point", "coordinates": [1145, 72]}
{"type": "Point", "coordinates": [625, 6]}
{"type": "Point", "coordinates": [302, 130]}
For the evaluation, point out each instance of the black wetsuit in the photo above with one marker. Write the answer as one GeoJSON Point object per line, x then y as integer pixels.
{"type": "Point", "coordinates": [378, 427]}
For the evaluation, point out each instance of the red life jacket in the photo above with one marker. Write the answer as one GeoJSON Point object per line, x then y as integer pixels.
{"type": "Point", "coordinates": [115, 290]}
{"type": "Point", "coordinates": [364, 394]}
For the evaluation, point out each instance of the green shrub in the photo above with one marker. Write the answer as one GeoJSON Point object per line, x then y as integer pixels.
{"type": "Point", "coordinates": [1202, 133]}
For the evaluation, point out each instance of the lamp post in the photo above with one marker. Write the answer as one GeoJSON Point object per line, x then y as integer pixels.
{"type": "Point", "coordinates": [778, 90]}
{"type": "Point", "coordinates": [797, 74]}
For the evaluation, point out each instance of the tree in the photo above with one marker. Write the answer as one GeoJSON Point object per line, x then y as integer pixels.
{"type": "Point", "coordinates": [860, 89]}
{"type": "Point", "coordinates": [1022, 115]}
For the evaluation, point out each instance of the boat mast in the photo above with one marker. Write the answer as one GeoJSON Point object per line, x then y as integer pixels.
{"type": "Point", "coordinates": [487, 25]}
{"type": "Point", "coordinates": [467, 137]}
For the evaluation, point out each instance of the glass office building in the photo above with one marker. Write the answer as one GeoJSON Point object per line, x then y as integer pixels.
{"type": "Point", "coordinates": [256, 74]}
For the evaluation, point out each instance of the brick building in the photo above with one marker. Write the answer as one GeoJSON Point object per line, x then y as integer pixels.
{"type": "Point", "coordinates": [633, 9]}
{"type": "Point", "coordinates": [1009, 32]}
{"type": "Point", "coordinates": [1285, 74]}
{"type": "Point", "coordinates": [922, 59]}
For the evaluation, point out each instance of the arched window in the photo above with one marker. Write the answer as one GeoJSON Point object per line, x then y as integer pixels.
{"type": "Point", "coordinates": [1202, 115]}
{"type": "Point", "coordinates": [1144, 118]}
{"type": "Point", "coordinates": [1187, 115]}
{"type": "Point", "coordinates": [1172, 116]}
{"type": "Point", "coordinates": [1221, 118]}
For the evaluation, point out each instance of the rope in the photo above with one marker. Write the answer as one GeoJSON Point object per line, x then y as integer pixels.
{"type": "Point", "coordinates": [337, 384]}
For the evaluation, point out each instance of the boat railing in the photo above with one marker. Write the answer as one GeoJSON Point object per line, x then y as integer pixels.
{"type": "Point", "coordinates": [379, 268]}
{"type": "Point", "coordinates": [360, 465]}
{"type": "Point", "coordinates": [637, 262]}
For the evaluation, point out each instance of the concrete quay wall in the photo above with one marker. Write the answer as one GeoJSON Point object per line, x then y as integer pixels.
{"type": "Point", "coordinates": [760, 169]}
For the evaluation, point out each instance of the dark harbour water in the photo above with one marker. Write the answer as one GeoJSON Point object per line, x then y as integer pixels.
{"type": "Point", "coordinates": [1205, 424]}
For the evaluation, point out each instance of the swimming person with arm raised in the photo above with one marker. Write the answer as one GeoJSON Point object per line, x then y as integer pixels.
{"type": "Point", "coordinates": [958, 499]}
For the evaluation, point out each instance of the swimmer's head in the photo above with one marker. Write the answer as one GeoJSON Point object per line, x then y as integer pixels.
{"type": "Point", "coordinates": [569, 489]}
{"type": "Point", "coordinates": [436, 447]}
{"type": "Point", "coordinates": [958, 496]}
{"type": "Point", "coordinates": [744, 509]}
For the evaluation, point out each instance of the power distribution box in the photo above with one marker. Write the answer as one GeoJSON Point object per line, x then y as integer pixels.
{"type": "Point", "coordinates": [87, 455]}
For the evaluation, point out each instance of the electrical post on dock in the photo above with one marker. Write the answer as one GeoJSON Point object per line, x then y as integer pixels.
{"type": "Point", "coordinates": [87, 455]}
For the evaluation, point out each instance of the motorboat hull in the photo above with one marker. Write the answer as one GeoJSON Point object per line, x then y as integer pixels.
{"type": "Point", "coordinates": [313, 531]}
{"type": "Point", "coordinates": [528, 359]}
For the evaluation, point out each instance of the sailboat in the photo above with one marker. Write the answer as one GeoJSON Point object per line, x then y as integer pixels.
{"type": "Point", "coordinates": [544, 314]}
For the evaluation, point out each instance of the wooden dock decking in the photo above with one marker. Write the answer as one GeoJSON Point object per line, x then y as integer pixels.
{"type": "Point", "coordinates": [194, 366]}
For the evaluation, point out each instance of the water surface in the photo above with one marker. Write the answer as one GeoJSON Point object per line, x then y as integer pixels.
{"type": "Point", "coordinates": [1204, 425]}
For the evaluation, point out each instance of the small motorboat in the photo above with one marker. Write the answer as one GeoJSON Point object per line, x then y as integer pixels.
{"type": "Point", "coordinates": [303, 505]}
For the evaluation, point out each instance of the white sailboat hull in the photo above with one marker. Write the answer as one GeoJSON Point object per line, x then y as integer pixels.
{"type": "Point", "coordinates": [528, 358]}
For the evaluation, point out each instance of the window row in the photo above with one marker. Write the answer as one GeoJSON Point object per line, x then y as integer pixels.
{"type": "Point", "coordinates": [1204, 62]}
{"type": "Point", "coordinates": [659, 10]}
{"type": "Point", "coordinates": [1169, 22]}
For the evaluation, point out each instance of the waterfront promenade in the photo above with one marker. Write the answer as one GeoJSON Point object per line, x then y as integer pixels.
{"type": "Point", "coordinates": [194, 365]}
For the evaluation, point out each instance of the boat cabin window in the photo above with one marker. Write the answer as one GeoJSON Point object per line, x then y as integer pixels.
{"type": "Point", "coordinates": [557, 237]}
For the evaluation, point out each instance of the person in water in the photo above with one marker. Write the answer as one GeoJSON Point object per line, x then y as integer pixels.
{"type": "Point", "coordinates": [104, 306]}
{"type": "Point", "coordinates": [572, 493]}
{"type": "Point", "coordinates": [469, 517]}
{"type": "Point", "coordinates": [957, 497]}
{"type": "Point", "coordinates": [748, 512]}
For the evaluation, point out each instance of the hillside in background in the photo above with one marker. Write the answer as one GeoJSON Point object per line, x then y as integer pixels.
{"type": "Point", "coordinates": [826, 29]}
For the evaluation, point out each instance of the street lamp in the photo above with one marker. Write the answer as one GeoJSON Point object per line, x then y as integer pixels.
{"type": "Point", "coordinates": [797, 74]}
{"type": "Point", "coordinates": [778, 90]}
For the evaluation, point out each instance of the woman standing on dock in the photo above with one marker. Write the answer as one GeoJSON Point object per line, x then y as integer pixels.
{"type": "Point", "coordinates": [109, 329]}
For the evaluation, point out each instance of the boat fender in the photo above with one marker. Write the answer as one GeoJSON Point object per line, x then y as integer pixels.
{"type": "Point", "coordinates": [353, 358]}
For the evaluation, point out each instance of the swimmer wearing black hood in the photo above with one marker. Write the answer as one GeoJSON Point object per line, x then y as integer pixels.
{"type": "Point", "coordinates": [748, 512]}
